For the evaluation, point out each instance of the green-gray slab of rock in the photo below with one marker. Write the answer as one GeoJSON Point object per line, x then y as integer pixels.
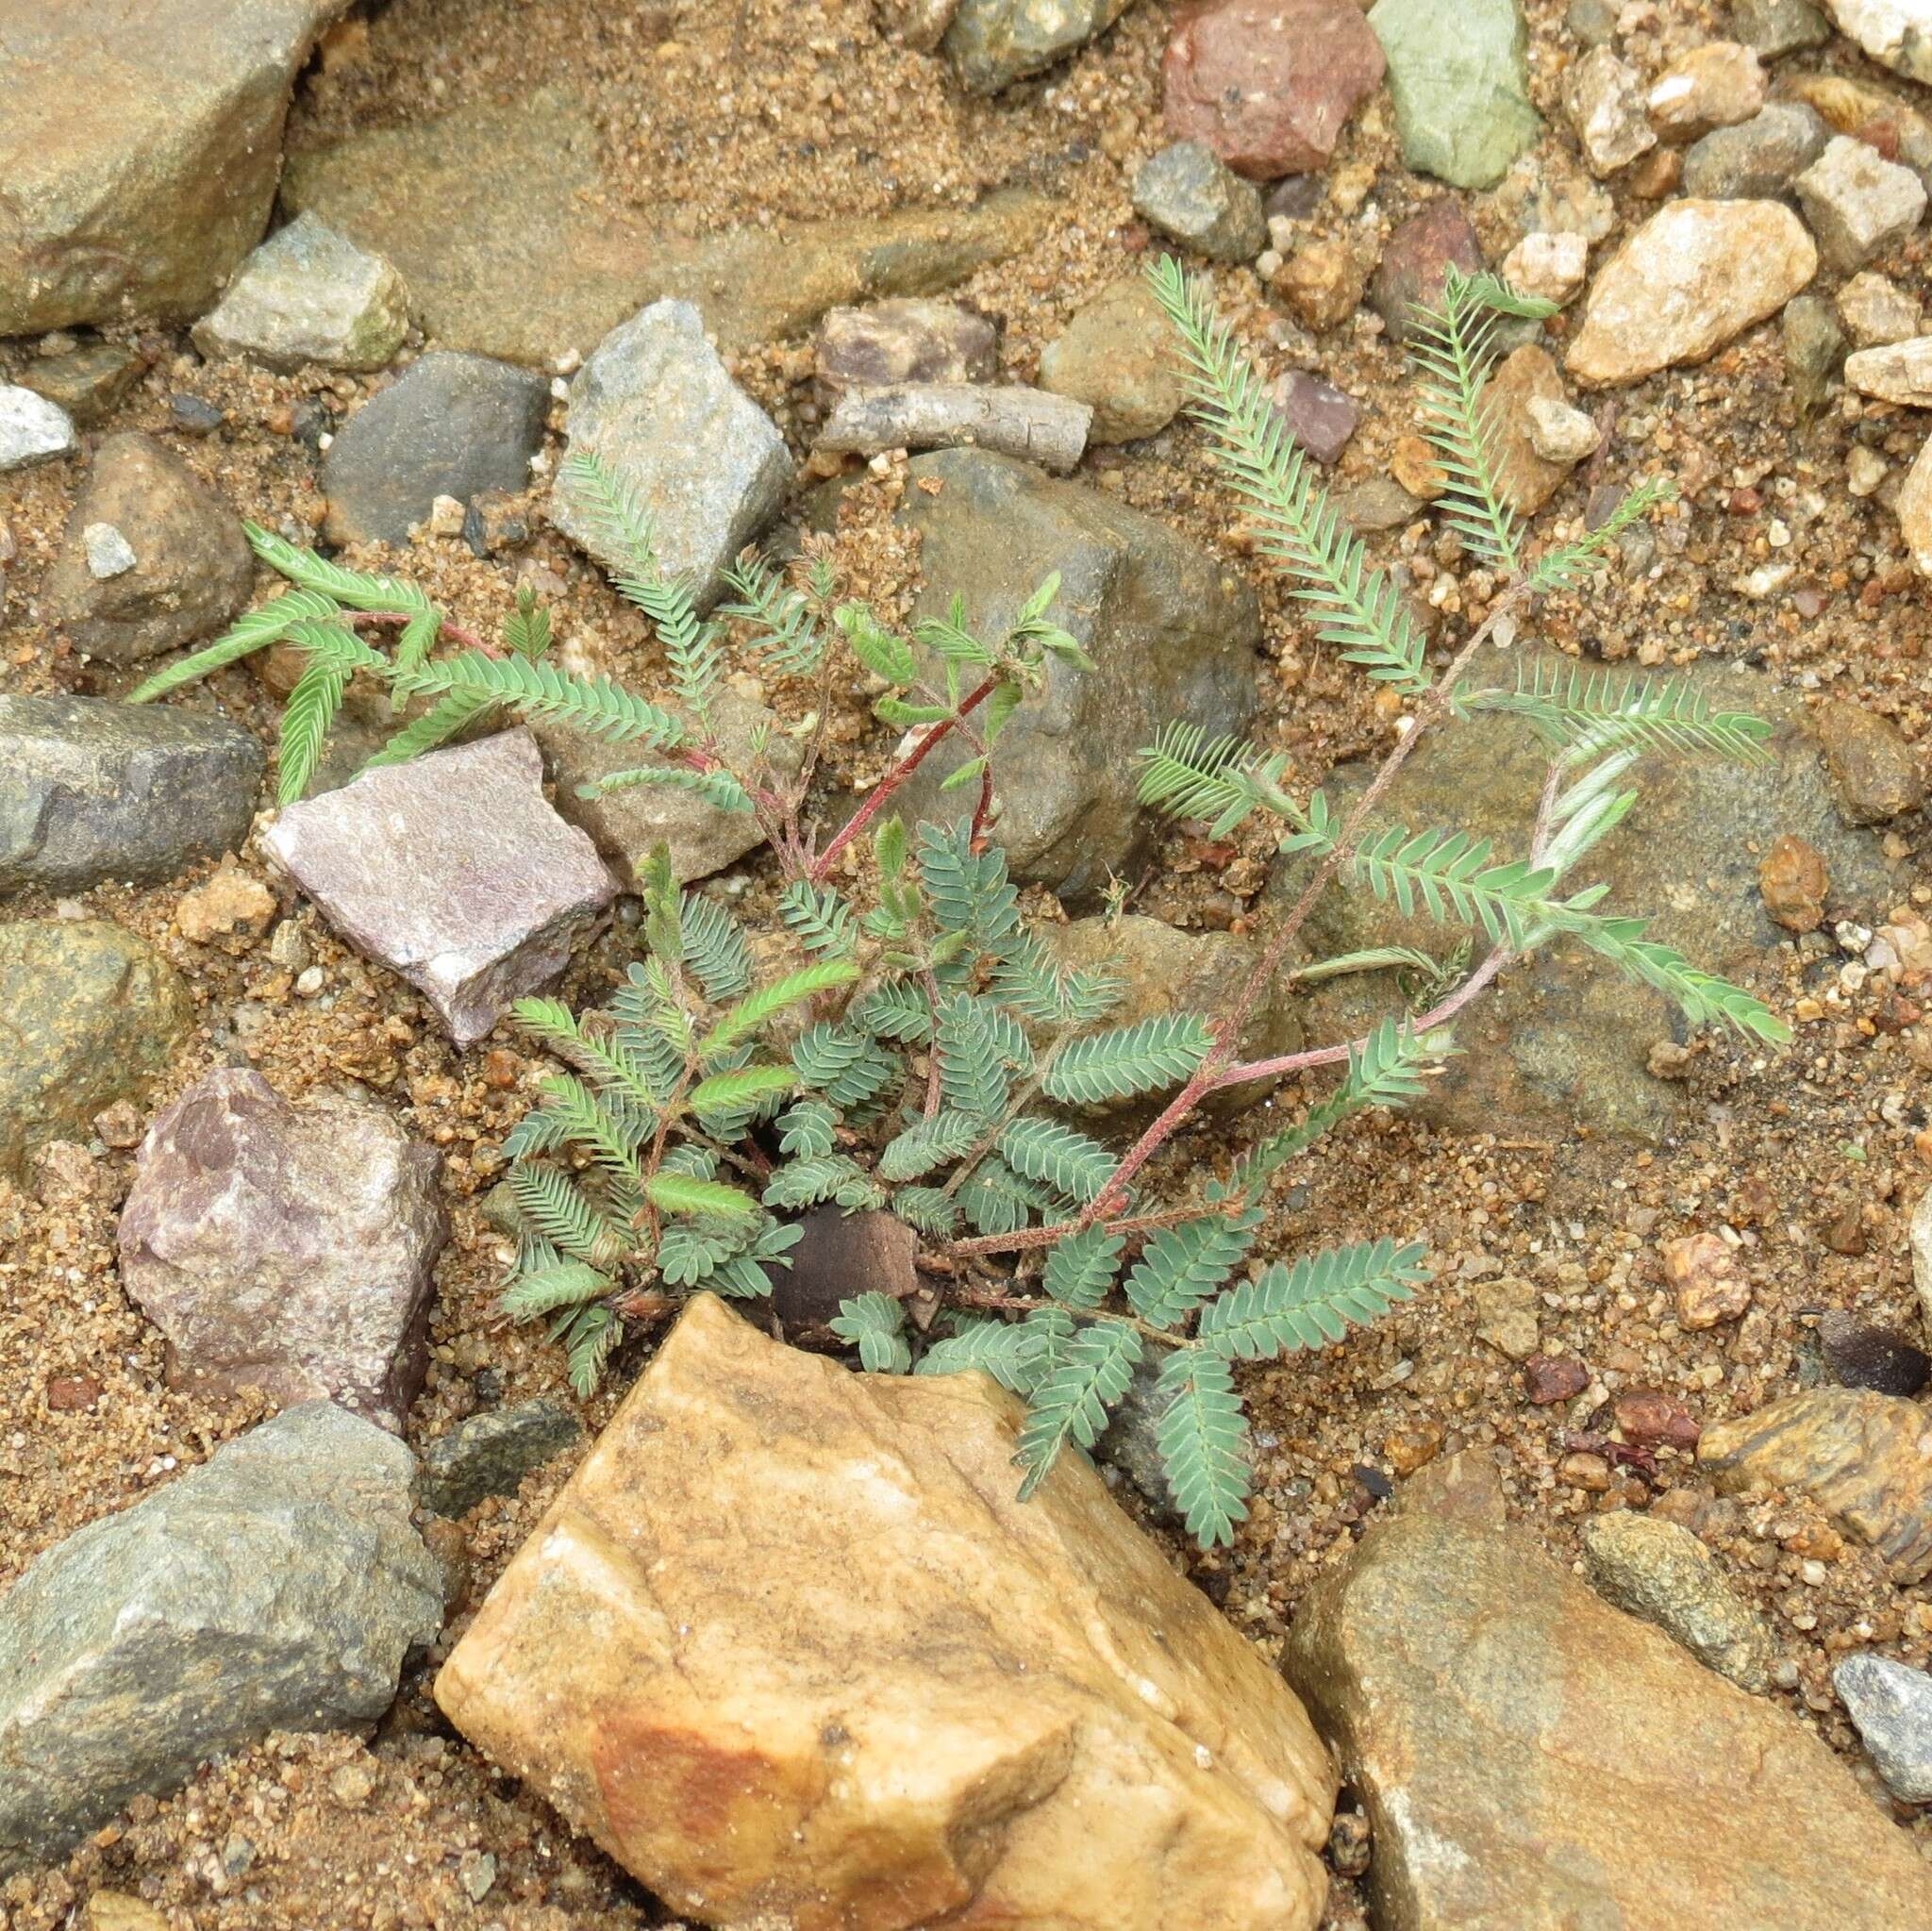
{"type": "Point", "coordinates": [491, 1453]}
{"type": "Point", "coordinates": [1564, 1039]}
{"type": "Point", "coordinates": [1531, 1757]}
{"type": "Point", "coordinates": [88, 1014]}
{"type": "Point", "coordinates": [96, 790]}
{"type": "Point", "coordinates": [995, 42]}
{"type": "Point", "coordinates": [514, 244]}
{"type": "Point", "coordinates": [138, 150]}
{"type": "Point", "coordinates": [1461, 86]}
{"type": "Point", "coordinates": [277, 1587]}
{"type": "Point", "coordinates": [1173, 630]}
{"type": "Point", "coordinates": [310, 296]}
{"type": "Point", "coordinates": [451, 425]}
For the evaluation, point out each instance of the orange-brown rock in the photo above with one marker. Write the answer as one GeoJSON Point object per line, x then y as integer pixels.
{"type": "Point", "coordinates": [1794, 880]}
{"type": "Point", "coordinates": [1705, 1281]}
{"type": "Point", "coordinates": [788, 1649]}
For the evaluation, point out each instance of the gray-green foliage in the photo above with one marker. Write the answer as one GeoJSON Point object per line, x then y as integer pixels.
{"type": "Point", "coordinates": [909, 1043]}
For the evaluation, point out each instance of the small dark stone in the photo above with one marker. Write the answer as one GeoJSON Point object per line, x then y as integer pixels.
{"type": "Point", "coordinates": [1296, 198]}
{"type": "Point", "coordinates": [1349, 1845]}
{"type": "Point", "coordinates": [1548, 1378]}
{"type": "Point", "coordinates": [487, 1386]}
{"type": "Point", "coordinates": [1373, 1480]}
{"type": "Point", "coordinates": [194, 416]}
{"type": "Point", "coordinates": [491, 1453]}
{"type": "Point", "coordinates": [312, 422]}
{"type": "Point", "coordinates": [1860, 1354]}
{"type": "Point", "coordinates": [1647, 1419]}
{"type": "Point", "coordinates": [452, 424]}
{"type": "Point", "coordinates": [839, 1257]}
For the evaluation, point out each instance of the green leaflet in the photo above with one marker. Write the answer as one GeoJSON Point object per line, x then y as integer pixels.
{"type": "Point", "coordinates": [1313, 1303]}
{"type": "Point", "coordinates": [1124, 1061]}
{"type": "Point", "coordinates": [1083, 1267]}
{"type": "Point", "coordinates": [875, 1325]}
{"type": "Point", "coordinates": [1181, 1266]}
{"type": "Point", "coordinates": [1203, 1441]}
{"type": "Point", "coordinates": [1070, 1404]}
{"type": "Point", "coordinates": [1056, 1156]}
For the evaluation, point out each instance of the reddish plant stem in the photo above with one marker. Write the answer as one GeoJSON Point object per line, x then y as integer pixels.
{"type": "Point", "coordinates": [876, 803]}
{"type": "Point", "coordinates": [397, 620]}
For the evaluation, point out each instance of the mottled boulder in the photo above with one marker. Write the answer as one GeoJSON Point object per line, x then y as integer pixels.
{"type": "Point", "coordinates": [1173, 631]}
{"type": "Point", "coordinates": [308, 295]}
{"type": "Point", "coordinates": [277, 1587]}
{"type": "Point", "coordinates": [286, 1246]}
{"type": "Point", "coordinates": [515, 244]}
{"type": "Point", "coordinates": [1875, 773]}
{"type": "Point", "coordinates": [909, 339]}
{"type": "Point", "coordinates": [892, 1695]}
{"type": "Point", "coordinates": [1531, 1756]}
{"type": "Point", "coordinates": [452, 871]}
{"type": "Point", "coordinates": [1758, 158]}
{"type": "Point", "coordinates": [1864, 1458]}
{"type": "Point", "coordinates": [100, 790]}
{"type": "Point", "coordinates": [1566, 1038]}
{"type": "Point", "coordinates": [1720, 84]}
{"type": "Point", "coordinates": [490, 1452]}
{"type": "Point", "coordinates": [1461, 81]}
{"type": "Point", "coordinates": [1117, 354]}
{"type": "Point", "coordinates": [1269, 85]}
{"type": "Point", "coordinates": [451, 425]}
{"type": "Point", "coordinates": [1694, 276]}
{"type": "Point", "coordinates": [993, 43]}
{"type": "Point", "coordinates": [1858, 204]}
{"type": "Point", "coordinates": [152, 559]}
{"type": "Point", "coordinates": [88, 1014]}
{"type": "Point", "coordinates": [658, 407]}
{"type": "Point", "coordinates": [138, 150]}
{"type": "Point", "coordinates": [626, 824]}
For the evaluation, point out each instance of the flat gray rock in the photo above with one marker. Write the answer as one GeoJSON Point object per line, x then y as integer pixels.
{"type": "Point", "coordinates": [32, 429]}
{"type": "Point", "coordinates": [100, 790]}
{"type": "Point", "coordinates": [454, 870]}
{"type": "Point", "coordinates": [1892, 1705]}
{"type": "Point", "coordinates": [658, 407]}
{"type": "Point", "coordinates": [152, 558]}
{"type": "Point", "coordinates": [1189, 191]}
{"type": "Point", "coordinates": [308, 295]}
{"type": "Point", "coordinates": [278, 1586]}
{"type": "Point", "coordinates": [286, 1246]}
{"type": "Point", "coordinates": [451, 425]}
{"type": "Point", "coordinates": [1173, 631]}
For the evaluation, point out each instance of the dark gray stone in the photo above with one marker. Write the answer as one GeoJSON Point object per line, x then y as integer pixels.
{"type": "Point", "coordinates": [1189, 191]}
{"type": "Point", "coordinates": [278, 1586]}
{"type": "Point", "coordinates": [993, 42]}
{"type": "Point", "coordinates": [451, 425]}
{"type": "Point", "coordinates": [286, 1246]}
{"type": "Point", "coordinates": [454, 870]}
{"type": "Point", "coordinates": [98, 791]}
{"type": "Point", "coordinates": [1173, 630]}
{"type": "Point", "coordinates": [1892, 1705]}
{"type": "Point", "coordinates": [1565, 1038]}
{"type": "Point", "coordinates": [1814, 348]}
{"type": "Point", "coordinates": [88, 1014]}
{"type": "Point", "coordinates": [87, 381]}
{"type": "Point", "coordinates": [1758, 158]}
{"type": "Point", "coordinates": [1772, 27]}
{"type": "Point", "coordinates": [491, 1453]}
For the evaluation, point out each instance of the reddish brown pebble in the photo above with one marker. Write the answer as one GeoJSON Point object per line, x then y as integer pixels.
{"type": "Point", "coordinates": [1269, 85]}
{"type": "Point", "coordinates": [1646, 1418]}
{"type": "Point", "coordinates": [1794, 881]}
{"type": "Point", "coordinates": [501, 1068]}
{"type": "Point", "coordinates": [68, 1394]}
{"type": "Point", "coordinates": [120, 1126]}
{"type": "Point", "coordinates": [1844, 1233]}
{"type": "Point", "coordinates": [1548, 1378]}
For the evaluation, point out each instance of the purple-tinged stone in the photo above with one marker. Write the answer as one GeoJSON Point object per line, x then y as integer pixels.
{"type": "Point", "coordinates": [1317, 414]}
{"type": "Point", "coordinates": [454, 870]}
{"type": "Point", "coordinates": [286, 1246]}
{"type": "Point", "coordinates": [1416, 262]}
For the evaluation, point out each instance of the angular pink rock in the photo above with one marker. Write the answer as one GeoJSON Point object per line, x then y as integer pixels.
{"type": "Point", "coordinates": [1417, 260]}
{"type": "Point", "coordinates": [1269, 85]}
{"type": "Point", "coordinates": [1317, 414]}
{"type": "Point", "coordinates": [454, 870]}
{"type": "Point", "coordinates": [286, 1246]}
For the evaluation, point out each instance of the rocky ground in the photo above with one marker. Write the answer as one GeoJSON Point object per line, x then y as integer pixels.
{"type": "Point", "coordinates": [1641, 1237]}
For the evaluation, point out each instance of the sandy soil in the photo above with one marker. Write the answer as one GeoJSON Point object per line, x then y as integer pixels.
{"type": "Point", "coordinates": [770, 108]}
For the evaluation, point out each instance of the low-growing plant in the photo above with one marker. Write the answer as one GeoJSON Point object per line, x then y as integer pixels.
{"type": "Point", "coordinates": [916, 1048]}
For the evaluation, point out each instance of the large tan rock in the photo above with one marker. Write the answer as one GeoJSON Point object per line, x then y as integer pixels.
{"type": "Point", "coordinates": [1694, 276]}
{"type": "Point", "coordinates": [1533, 1759]}
{"type": "Point", "coordinates": [1865, 1458]}
{"type": "Point", "coordinates": [138, 150]}
{"type": "Point", "coordinates": [787, 1648]}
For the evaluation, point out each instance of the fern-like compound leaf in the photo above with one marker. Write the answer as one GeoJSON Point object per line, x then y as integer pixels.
{"type": "Point", "coordinates": [360, 590]}
{"type": "Point", "coordinates": [437, 726]}
{"type": "Point", "coordinates": [1313, 1303]}
{"type": "Point", "coordinates": [1355, 607]}
{"type": "Point", "coordinates": [760, 1008]}
{"type": "Point", "coordinates": [970, 892]}
{"type": "Point", "coordinates": [973, 1072]}
{"type": "Point", "coordinates": [1590, 711]}
{"type": "Point", "coordinates": [727, 1092]}
{"type": "Point", "coordinates": [931, 1210]}
{"type": "Point", "coordinates": [681, 1193]}
{"type": "Point", "coordinates": [999, 1201]}
{"type": "Point", "coordinates": [598, 705]}
{"type": "Point", "coordinates": [1071, 1403]}
{"type": "Point", "coordinates": [1571, 564]}
{"type": "Point", "coordinates": [254, 631]}
{"type": "Point", "coordinates": [817, 917]}
{"type": "Point", "coordinates": [807, 1129]}
{"type": "Point", "coordinates": [826, 1176]}
{"type": "Point", "coordinates": [1187, 773]}
{"type": "Point", "coordinates": [717, 787]}
{"type": "Point", "coordinates": [1181, 1266]}
{"type": "Point", "coordinates": [544, 1289]}
{"type": "Point", "coordinates": [1083, 1267]}
{"type": "Point", "coordinates": [896, 1010]}
{"type": "Point", "coordinates": [715, 948]}
{"type": "Point", "coordinates": [556, 1208]}
{"type": "Point", "coordinates": [999, 1348]}
{"type": "Point", "coordinates": [1124, 1061]}
{"type": "Point", "coordinates": [792, 643]}
{"type": "Point", "coordinates": [335, 655]}
{"type": "Point", "coordinates": [875, 1325]}
{"type": "Point", "coordinates": [1203, 1442]}
{"type": "Point", "coordinates": [929, 1143]}
{"type": "Point", "coordinates": [1058, 1158]}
